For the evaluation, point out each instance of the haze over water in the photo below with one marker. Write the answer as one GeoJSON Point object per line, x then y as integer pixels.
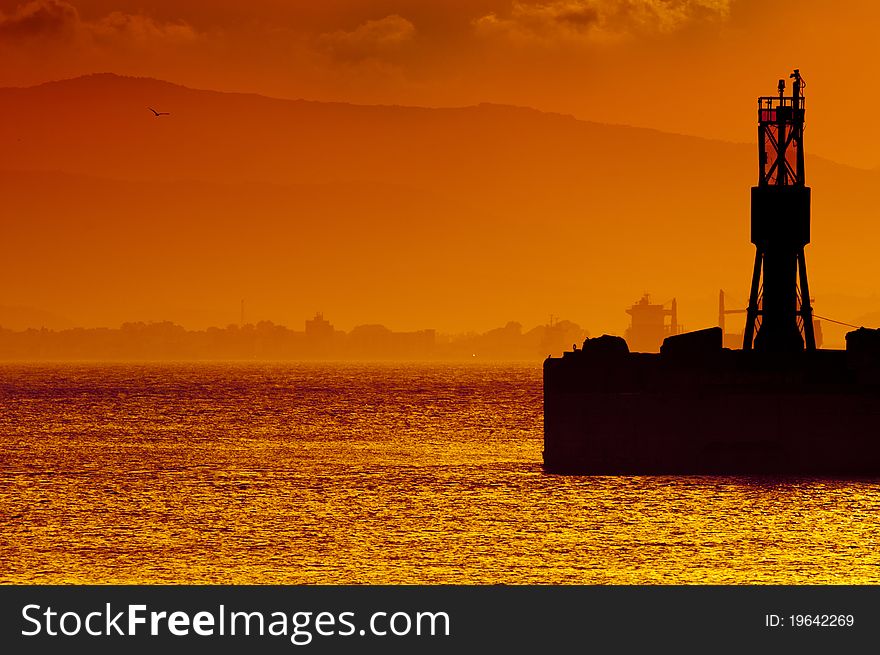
{"type": "Point", "coordinates": [294, 473]}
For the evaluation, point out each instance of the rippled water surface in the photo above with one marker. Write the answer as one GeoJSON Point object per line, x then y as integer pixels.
{"type": "Point", "coordinates": [251, 473]}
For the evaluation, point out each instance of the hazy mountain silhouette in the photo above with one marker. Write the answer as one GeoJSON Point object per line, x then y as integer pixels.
{"type": "Point", "coordinates": [447, 218]}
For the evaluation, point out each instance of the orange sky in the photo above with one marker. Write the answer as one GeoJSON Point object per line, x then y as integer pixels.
{"type": "Point", "coordinates": [670, 64]}
{"type": "Point", "coordinates": [453, 220]}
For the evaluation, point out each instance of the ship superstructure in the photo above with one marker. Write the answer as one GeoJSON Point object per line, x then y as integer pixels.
{"type": "Point", "coordinates": [649, 325]}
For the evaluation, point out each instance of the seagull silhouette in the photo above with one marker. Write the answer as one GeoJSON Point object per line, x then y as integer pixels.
{"type": "Point", "coordinates": [159, 113]}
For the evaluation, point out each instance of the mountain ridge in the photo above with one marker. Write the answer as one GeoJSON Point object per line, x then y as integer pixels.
{"type": "Point", "coordinates": [410, 216]}
{"type": "Point", "coordinates": [110, 76]}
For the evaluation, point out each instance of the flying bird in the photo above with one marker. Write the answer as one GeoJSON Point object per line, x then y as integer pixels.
{"type": "Point", "coordinates": [159, 113]}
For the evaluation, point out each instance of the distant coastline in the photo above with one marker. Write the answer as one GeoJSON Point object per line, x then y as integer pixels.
{"type": "Point", "coordinates": [265, 340]}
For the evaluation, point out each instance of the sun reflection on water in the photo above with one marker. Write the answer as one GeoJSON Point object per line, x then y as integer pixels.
{"type": "Point", "coordinates": [282, 474]}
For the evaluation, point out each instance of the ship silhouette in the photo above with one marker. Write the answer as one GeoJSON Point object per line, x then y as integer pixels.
{"type": "Point", "coordinates": [777, 405]}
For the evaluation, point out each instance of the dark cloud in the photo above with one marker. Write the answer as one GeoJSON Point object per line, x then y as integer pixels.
{"type": "Point", "coordinates": [579, 19]}
{"type": "Point", "coordinates": [54, 18]}
{"type": "Point", "coordinates": [39, 18]}
{"type": "Point", "coordinates": [582, 16]}
{"type": "Point", "coordinates": [373, 38]}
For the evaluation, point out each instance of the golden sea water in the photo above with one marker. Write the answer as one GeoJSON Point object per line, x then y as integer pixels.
{"type": "Point", "coordinates": [316, 473]}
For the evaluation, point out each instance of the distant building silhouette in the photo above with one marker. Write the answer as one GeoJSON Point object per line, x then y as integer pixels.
{"type": "Point", "coordinates": [648, 328]}
{"type": "Point", "coordinates": [267, 341]}
{"type": "Point", "coordinates": [556, 336]}
{"type": "Point", "coordinates": [319, 328]}
{"type": "Point", "coordinates": [377, 341]}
